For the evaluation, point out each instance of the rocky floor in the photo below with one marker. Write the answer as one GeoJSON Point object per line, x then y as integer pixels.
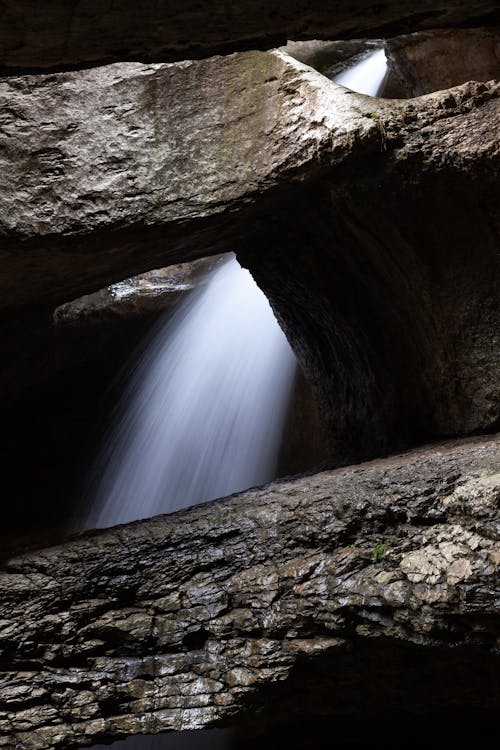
{"type": "Point", "coordinates": [186, 620]}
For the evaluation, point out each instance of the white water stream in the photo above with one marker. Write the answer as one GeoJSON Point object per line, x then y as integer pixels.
{"type": "Point", "coordinates": [203, 414]}
{"type": "Point", "coordinates": [367, 76]}
{"type": "Point", "coordinates": [204, 411]}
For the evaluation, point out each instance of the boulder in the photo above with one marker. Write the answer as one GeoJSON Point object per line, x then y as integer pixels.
{"type": "Point", "coordinates": [140, 296]}
{"type": "Point", "coordinates": [104, 163]}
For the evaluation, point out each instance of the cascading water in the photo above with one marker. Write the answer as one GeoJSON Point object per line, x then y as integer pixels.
{"type": "Point", "coordinates": [204, 411]}
{"type": "Point", "coordinates": [367, 76]}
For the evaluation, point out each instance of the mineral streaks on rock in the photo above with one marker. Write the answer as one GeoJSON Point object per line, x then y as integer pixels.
{"type": "Point", "coordinates": [71, 33]}
{"type": "Point", "coordinates": [175, 622]}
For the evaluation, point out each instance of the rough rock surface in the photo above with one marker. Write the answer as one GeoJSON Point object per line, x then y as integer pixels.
{"type": "Point", "coordinates": [115, 169]}
{"type": "Point", "coordinates": [121, 167]}
{"type": "Point", "coordinates": [71, 33]}
{"type": "Point", "coordinates": [438, 59]}
{"type": "Point", "coordinates": [183, 620]}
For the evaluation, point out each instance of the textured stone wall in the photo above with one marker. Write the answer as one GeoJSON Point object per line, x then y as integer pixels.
{"type": "Point", "coordinates": [438, 59]}
{"type": "Point", "coordinates": [182, 620]}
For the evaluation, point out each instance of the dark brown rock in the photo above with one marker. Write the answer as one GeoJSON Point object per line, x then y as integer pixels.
{"type": "Point", "coordinates": [438, 59]}
{"type": "Point", "coordinates": [70, 33]}
{"type": "Point", "coordinates": [183, 620]}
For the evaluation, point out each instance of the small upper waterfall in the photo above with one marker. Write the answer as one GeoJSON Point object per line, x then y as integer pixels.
{"type": "Point", "coordinates": [203, 414]}
{"type": "Point", "coordinates": [367, 76]}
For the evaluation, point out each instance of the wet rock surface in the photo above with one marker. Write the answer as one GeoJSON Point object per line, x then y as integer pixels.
{"type": "Point", "coordinates": [184, 620]}
{"type": "Point", "coordinates": [70, 33]}
{"type": "Point", "coordinates": [142, 295]}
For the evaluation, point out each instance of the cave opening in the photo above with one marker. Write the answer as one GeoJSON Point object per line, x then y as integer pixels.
{"type": "Point", "coordinates": [406, 66]}
{"type": "Point", "coordinates": [203, 413]}
{"type": "Point", "coordinates": [387, 331]}
{"type": "Point", "coordinates": [148, 344]}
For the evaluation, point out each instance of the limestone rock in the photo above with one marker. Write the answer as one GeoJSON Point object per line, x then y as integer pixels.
{"type": "Point", "coordinates": [330, 57]}
{"type": "Point", "coordinates": [183, 620]}
{"type": "Point", "coordinates": [106, 162]}
{"type": "Point", "coordinates": [115, 170]}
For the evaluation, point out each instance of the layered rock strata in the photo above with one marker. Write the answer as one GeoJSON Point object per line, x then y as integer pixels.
{"type": "Point", "coordinates": [184, 620]}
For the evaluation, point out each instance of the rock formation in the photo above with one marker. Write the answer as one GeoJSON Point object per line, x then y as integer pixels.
{"type": "Point", "coordinates": [151, 292]}
{"type": "Point", "coordinates": [372, 226]}
{"type": "Point", "coordinates": [126, 159]}
{"type": "Point", "coordinates": [188, 619]}
{"type": "Point", "coordinates": [70, 33]}
{"type": "Point", "coordinates": [282, 166]}
{"type": "Point", "coordinates": [438, 59]}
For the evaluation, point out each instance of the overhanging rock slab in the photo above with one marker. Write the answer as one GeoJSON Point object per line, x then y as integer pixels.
{"type": "Point", "coordinates": [63, 33]}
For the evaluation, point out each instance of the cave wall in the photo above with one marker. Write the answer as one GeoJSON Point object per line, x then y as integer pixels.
{"type": "Point", "coordinates": [440, 58]}
{"type": "Point", "coordinates": [384, 276]}
{"type": "Point", "coordinates": [67, 33]}
{"type": "Point", "coordinates": [372, 227]}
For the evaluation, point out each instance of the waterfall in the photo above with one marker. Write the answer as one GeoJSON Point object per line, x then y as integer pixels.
{"type": "Point", "coordinates": [367, 76]}
{"type": "Point", "coordinates": [203, 413]}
